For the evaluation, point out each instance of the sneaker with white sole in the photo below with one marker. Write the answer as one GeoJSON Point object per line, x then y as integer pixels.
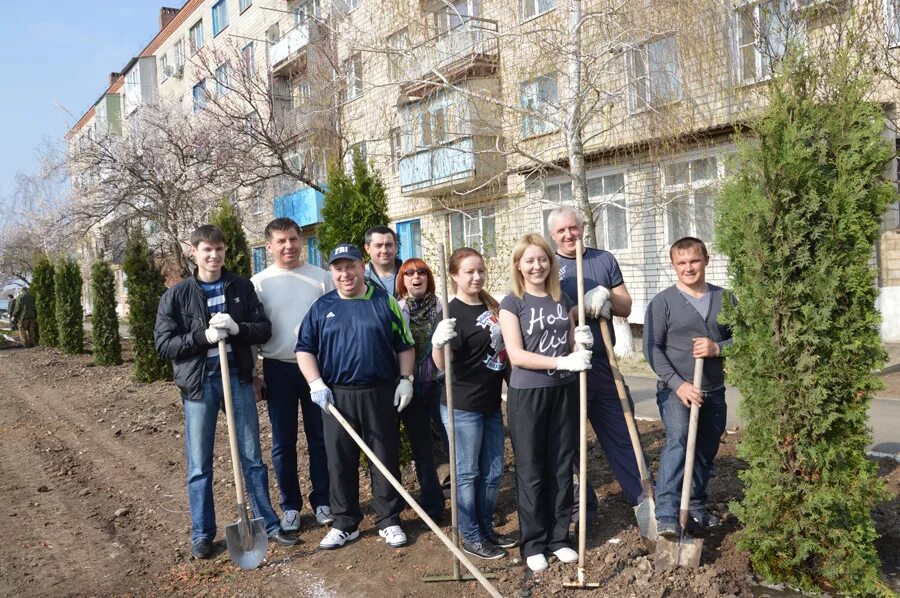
{"type": "Point", "coordinates": [336, 538]}
{"type": "Point", "coordinates": [537, 562]}
{"type": "Point", "coordinates": [566, 555]}
{"type": "Point", "coordinates": [290, 520]}
{"type": "Point", "coordinates": [393, 535]}
{"type": "Point", "coordinates": [323, 515]}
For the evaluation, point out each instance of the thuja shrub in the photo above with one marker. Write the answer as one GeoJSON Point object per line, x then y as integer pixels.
{"type": "Point", "coordinates": [237, 255]}
{"type": "Point", "coordinates": [145, 285]}
{"type": "Point", "coordinates": [104, 322]}
{"type": "Point", "coordinates": [798, 221]}
{"type": "Point", "coordinates": [45, 302]}
{"type": "Point", "coordinates": [69, 313]}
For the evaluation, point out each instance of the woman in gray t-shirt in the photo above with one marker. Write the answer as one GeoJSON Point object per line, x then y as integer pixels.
{"type": "Point", "coordinates": [539, 332]}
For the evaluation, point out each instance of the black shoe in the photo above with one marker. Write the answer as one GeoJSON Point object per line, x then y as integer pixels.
{"type": "Point", "coordinates": [704, 518]}
{"type": "Point", "coordinates": [667, 528]}
{"type": "Point", "coordinates": [282, 538]}
{"type": "Point", "coordinates": [484, 550]}
{"type": "Point", "coordinates": [201, 548]}
{"type": "Point", "coordinates": [502, 541]}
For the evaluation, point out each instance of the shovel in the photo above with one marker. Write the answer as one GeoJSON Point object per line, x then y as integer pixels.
{"type": "Point", "coordinates": [645, 512]}
{"type": "Point", "coordinates": [686, 551]}
{"type": "Point", "coordinates": [247, 539]}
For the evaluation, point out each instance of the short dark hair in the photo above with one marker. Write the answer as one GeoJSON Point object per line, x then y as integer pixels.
{"type": "Point", "coordinates": [685, 243]}
{"type": "Point", "coordinates": [281, 225]}
{"type": "Point", "coordinates": [208, 233]}
{"type": "Point", "coordinates": [10, 296]}
{"type": "Point", "coordinates": [380, 229]}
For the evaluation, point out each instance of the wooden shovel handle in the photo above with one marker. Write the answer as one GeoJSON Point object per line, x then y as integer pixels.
{"type": "Point", "coordinates": [691, 448]}
{"type": "Point", "coordinates": [229, 417]}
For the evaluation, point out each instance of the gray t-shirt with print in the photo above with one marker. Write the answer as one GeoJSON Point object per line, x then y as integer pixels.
{"type": "Point", "coordinates": [545, 330]}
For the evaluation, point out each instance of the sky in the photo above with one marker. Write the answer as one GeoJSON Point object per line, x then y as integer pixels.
{"type": "Point", "coordinates": [57, 57]}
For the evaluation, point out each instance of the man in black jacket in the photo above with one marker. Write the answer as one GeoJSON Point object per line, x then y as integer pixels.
{"type": "Point", "coordinates": [192, 318]}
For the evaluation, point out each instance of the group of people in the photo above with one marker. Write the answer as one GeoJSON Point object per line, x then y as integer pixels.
{"type": "Point", "coordinates": [370, 340]}
{"type": "Point", "coordinates": [22, 314]}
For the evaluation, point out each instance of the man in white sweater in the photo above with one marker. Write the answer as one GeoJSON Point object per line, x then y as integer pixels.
{"type": "Point", "coordinates": [287, 289]}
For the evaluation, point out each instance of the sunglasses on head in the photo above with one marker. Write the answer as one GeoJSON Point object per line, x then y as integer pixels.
{"type": "Point", "coordinates": [419, 271]}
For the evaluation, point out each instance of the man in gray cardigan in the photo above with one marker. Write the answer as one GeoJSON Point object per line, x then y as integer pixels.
{"type": "Point", "coordinates": [681, 325]}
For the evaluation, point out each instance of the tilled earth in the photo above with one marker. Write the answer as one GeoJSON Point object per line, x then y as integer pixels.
{"type": "Point", "coordinates": [92, 503]}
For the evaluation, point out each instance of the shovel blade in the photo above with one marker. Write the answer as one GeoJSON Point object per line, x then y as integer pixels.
{"type": "Point", "coordinates": [247, 549]}
{"type": "Point", "coordinates": [645, 513]}
{"type": "Point", "coordinates": [678, 553]}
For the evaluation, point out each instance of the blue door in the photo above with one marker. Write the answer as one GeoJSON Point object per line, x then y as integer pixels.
{"type": "Point", "coordinates": [410, 236]}
{"type": "Point", "coordinates": [314, 257]}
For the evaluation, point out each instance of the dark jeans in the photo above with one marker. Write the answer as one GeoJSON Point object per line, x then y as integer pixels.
{"type": "Point", "coordinates": [543, 426]}
{"type": "Point", "coordinates": [286, 394]}
{"type": "Point", "coordinates": [371, 412]}
{"type": "Point", "coordinates": [416, 420]}
{"type": "Point", "coordinates": [676, 418]}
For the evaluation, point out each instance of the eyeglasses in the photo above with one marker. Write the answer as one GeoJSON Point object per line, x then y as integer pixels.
{"type": "Point", "coordinates": [419, 271]}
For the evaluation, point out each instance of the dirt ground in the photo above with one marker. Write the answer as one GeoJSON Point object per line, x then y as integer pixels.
{"type": "Point", "coordinates": [92, 486]}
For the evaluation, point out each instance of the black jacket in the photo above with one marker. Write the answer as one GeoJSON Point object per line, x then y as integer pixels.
{"type": "Point", "coordinates": [181, 322]}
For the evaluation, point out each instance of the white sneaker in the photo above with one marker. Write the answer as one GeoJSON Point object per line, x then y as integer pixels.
{"type": "Point", "coordinates": [290, 520]}
{"type": "Point", "coordinates": [336, 538]}
{"type": "Point", "coordinates": [393, 535]}
{"type": "Point", "coordinates": [566, 555]}
{"type": "Point", "coordinates": [537, 562]}
{"type": "Point", "coordinates": [323, 515]}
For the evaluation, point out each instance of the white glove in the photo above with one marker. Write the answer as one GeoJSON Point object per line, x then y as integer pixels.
{"type": "Point", "coordinates": [583, 337]}
{"type": "Point", "coordinates": [320, 394]}
{"type": "Point", "coordinates": [214, 335]}
{"type": "Point", "coordinates": [597, 304]}
{"type": "Point", "coordinates": [403, 395]}
{"type": "Point", "coordinates": [577, 361]}
{"type": "Point", "coordinates": [224, 321]}
{"type": "Point", "coordinates": [443, 332]}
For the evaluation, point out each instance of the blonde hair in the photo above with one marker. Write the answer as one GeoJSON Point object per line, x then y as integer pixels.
{"type": "Point", "coordinates": [456, 259]}
{"type": "Point", "coordinates": [517, 281]}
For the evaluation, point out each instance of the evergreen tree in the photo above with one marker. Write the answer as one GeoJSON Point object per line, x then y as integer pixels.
{"type": "Point", "coordinates": [45, 302]}
{"type": "Point", "coordinates": [145, 286]}
{"type": "Point", "coordinates": [105, 323]}
{"type": "Point", "coordinates": [352, 205]}
{"type": "Point", "coordinates": [237, 255]}
{"type": "Point", "coordinates": [69, 313]}
{"type": "Point", "coordinates": [798, 222]}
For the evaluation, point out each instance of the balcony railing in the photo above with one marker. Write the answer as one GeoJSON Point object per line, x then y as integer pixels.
{"type": "Point", "coordinates": [290, 44]}
{"type": "Point", "coordinates": [472, 43]}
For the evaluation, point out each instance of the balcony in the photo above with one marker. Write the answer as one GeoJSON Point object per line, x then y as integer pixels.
{"type": "Point", "coordinates": [292, 46]}
{"type": "Point", "coordinates": [470, 49]}
{"type": "Point", "coordinates": [294, 121]}
{"type": "Point", "coordinates": [303, 207]}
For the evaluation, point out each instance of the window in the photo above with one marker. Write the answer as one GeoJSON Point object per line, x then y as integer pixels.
{"type": "Point", "coordinates": [198, 94]}
{"type": "Point", "coordinates": [196, 36]}
{"type": "Point", "coordinates": [253, 123]}
{"type": "Point", "coordinates": [248, 58]}
{"type": "Point", "coordinates": [360, 147]}
{"type": "Point", "coordinates": [219, 16]}
{"type": "Point", "coordinates": [534, 8]}
{"type": "Point", "coordinates": [474, 229]}
{"type": "Point", "coordinates": [131, 94]}
{"type": "Point", "coordinates": [306, 10]}
{"type": "Point", "coordinates": [313, 255]}
{"type": "Point", "coordinates": [164, 66]}
{"type": "Point", "coordinates": [223, 79]}
{"type": "Point", "coordinates": [259, 259]}
{"type": "Point", "coordinates": [410, 236]}
{"type": "Point", "coordinates": [454, 14]}
{"type": "Point", "coordinates": [653, 74]}
{"type": "Point", "coordinates": [607, 197]}
{"type": "Point", "coordinates": [538, 97]}
{"type": "Point", "coordinates": [892, 13]}
{"type": "Point", "coordinates": [689, 189]}
{"type": "Point", "coordinates": [179, 54]}
{"type": "Point", "coordinates": [352, 4]}
{"type": "Point", "coordinates": [244, 5]}
{"type": "Point", "coordinates": [353, 77]}
{"type": "Point", "coordinates": [394, 137]}
{"type": "Point", "coordinates": [398, 46]}
{"type": "Point", "coordinates": [760, 38]}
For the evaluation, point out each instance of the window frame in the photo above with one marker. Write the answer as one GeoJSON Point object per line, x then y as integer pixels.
{"type": "Point", "coordinates": [650, 100]}
{"type": "Point", "coordinates": [353, 73]}
{"type": "Point", "coordinates": [688, 191]}
{"type": "Point", "coordinates": [598, 202]}
{"type": "Point", "coordinates": [892, 22]}
{"type": "Point", "coordinates": [199, 101]}
{"type": "Point", "coordinates": [531, 99]}
{"type": "Point", "coordinates": [482, 215]}
{"type": "Point", "coordinates": [249, 58]}
{"type": "Point", "coordinates": [178, 49]}
{"type": "Point", "coordinates": [244, 5]}
{"type": "Point", "coordinates": [396, 149]}
{"type": "Point", "coordinates": [219, 13]}
{"type": "Point", "coordinates": [223, 79]}
{"type": "Point", "coordinates": [396, 55]}
{"type": "Point", "coordinates": [307, 15]}
{"type": "Point", "coordinates": [762, 34]}
{"type": "Point", "coordinates": [524, 18]}
{"type": "Point", "coordinates": [195, 36]}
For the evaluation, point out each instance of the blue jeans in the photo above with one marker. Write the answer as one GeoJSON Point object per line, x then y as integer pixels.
{"type": "Point", "coordinates": [479, 465]}
{"type": "Point", "coordinates": [199, 437]}
{"type": "Point", "coordinates": [286, 394]}
{"type": "Point", "coordinates": [676, 418]}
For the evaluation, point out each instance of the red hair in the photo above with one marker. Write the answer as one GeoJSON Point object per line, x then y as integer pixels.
{"type": "Point", "coordinates": [414, 263]}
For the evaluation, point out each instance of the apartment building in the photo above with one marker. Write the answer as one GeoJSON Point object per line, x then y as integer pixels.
{"type": "Point", "coordinates": [461, 105]}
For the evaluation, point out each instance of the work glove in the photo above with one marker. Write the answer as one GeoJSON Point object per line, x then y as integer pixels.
{"type": "Point", "coordinates": [224, 321]}
{"type": "Point", "coordinates": [214, 335]}
{"type": "Point", "coordinates": [583, 337]}
{"type": "Point", "coordinates": [321, 394]}
{"type": "Point", "coordinates": [576, 361]}
{"type": "Point", "coordinates": [443, 332]}
{"type": "Point", "coordinates": [597, 304]}
{"type": "Point", "coordinates": [403, 395]}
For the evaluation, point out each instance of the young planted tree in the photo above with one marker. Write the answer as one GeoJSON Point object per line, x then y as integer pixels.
{"type": "Point", "coordinates": [237, 256]}
{"type": "Point", "coordinates": [145, 286]}
{"type": "Point", "coordinates": [798, 221]}
{"type": "Point", "coordinates": [105, 323]}
{"type": "Point", "coordinates": [45, 302]}
{"type": "Point", "coordinates": [352, 205]}
{"type": "Point", "coordinates": [69, 313]}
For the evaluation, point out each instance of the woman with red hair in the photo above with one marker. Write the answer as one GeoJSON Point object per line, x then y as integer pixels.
{"type": "Point", "coordinates": [422, 310]}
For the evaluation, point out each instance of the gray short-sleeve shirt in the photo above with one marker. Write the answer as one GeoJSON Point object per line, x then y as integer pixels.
{"type": "Point", "coordinates": [545, 330]}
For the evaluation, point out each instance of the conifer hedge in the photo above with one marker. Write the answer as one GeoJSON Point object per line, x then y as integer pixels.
{"type": "Point", "coordinates": [145, 286]}
{"type": "Point", "coordinates": [45, 302]}
{"type": "Point", "coordinates": [69, 313]}
{"type": "Point", "coordinates": [104, 321]}
{"type": "Point", "coordinates": [798, 222]}
{"type": "Point", "coordinates": [237, 254]}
